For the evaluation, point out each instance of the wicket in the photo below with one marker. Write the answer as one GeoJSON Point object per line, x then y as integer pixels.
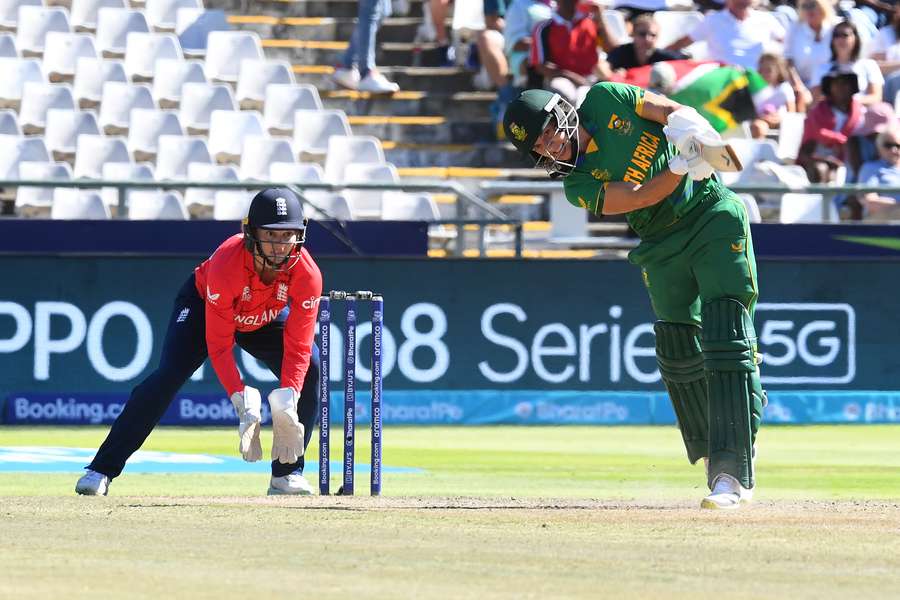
{"type": "Point", "coordinates": [349, 389]}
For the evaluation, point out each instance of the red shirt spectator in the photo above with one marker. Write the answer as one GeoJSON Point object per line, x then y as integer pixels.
{"type": "Point", "coordinates": [570, 45]}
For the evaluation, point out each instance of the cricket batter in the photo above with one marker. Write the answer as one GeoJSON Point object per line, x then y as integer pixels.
{"type": "Point", "coordinates": [260, 288]}
{"type": "Point", "coordinates": [696, 256]}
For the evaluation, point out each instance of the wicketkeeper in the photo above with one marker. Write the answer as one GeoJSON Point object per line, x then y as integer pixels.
{"type": "Point", "coordinates": [259, 289]}
{"type": "Point", "coordinates": [626, 150]}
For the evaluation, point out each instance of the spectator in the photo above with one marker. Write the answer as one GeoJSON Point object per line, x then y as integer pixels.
{"type": "Point", "coordinates": [809, 39]}
{"type": "Point", "coordinates": [439, 10]}
{"type": "Point", "coordinates": [642, 51]}
{"type": "Point", "coordinates": [783, 95]}
{"type": "Point", "coordinates": [887, 46]}
{"type": "Point", "coordinates": [357, 69]}
{"type": "Point", "coordinates": [846, 49]}
{"type": "Point", "coordinates": [829, 125]}
{"type": "Point", "coordinates": [521, 18]}
{"type": "Point", "coordinates": [490, 43]}
{"type": "Point", "coordinates": [884, 171]}
{"type": "Point", "coordinates": [737, 35]}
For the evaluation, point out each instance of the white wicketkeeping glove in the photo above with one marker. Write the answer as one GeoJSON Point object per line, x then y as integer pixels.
{"type": "Point", "coordinates": [247, 405]}
{"type": "Point", "coordinates": [287, 430]}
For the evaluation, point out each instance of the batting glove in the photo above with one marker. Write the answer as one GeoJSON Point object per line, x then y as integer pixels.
{"type": "Point", "coordinates": [686, 122]}
{"type": "Point", "coordinates": [247, 405]}
{"type": "Point", "coordinates": [287, 430]}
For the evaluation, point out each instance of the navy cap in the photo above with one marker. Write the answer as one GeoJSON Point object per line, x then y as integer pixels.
{"type": "Point", "coordinates": [276, 208]}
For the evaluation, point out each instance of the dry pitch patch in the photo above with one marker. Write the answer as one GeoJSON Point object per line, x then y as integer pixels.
{"type": "Point", "coordinates": [444, 547]}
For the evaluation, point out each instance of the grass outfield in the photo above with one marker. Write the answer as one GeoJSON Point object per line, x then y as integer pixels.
{"type": "Point", "coordinates": [497, 512]}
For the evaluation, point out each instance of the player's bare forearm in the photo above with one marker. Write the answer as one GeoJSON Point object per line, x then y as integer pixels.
{"type": "Point", "coordinates": [657, 108]}
{"type": "Point", "coordinates": [622, 197]}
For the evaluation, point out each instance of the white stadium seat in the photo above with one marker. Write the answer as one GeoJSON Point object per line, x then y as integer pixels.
{"type": "Point", "coordinates": [327, 206]}
{"type": "Point", "coordinates": [35, 22]}
{"type": "Point", "coordinates": [161, 14]}
{"type": "Point", "coordinates": [231, 205]}
{"type": "Point", "coordinates": [94, 151]}
{"type": "Point", "coordinates": [90, 76]}
{"type": "Point", "coordinates": [39, 197]}
{"type": "Point", "coordinates": [8, 48]}
{"type": "Point", "coordinates": [399, 206]}
{"type": "Point", "coordinates": [199, 100]}
{"type": "Point", "coordinates": [206, 172]}
{"type": "Point", "coordinates": [790, 135]}
{"type": "Point", "coordinates": [83, 14]}
{"type": "Point", "coordinates": [142, 50]}
{"type": "Point", "coordinates": [37, 99]}
{"type": "Point", "coordinates": [63, 129]}
{"type": "Point", "coordinates": [9, 123]}
{"type": "Point", "coordinates": [366, 204]}
{"type": "Point", "coordinates": [806, 208]}
{"type": "Point", "coordinates": [749, 151]}
{"type": "Point", "coordinates": [344, 150]}
{"type": "Point", "coordinates": [193, 26]}
{"type": "Point", "coordinates": [16, 73]}
{"type": "Point", "coordinates": [146, 126]}
{"type": "Point", "coordinates": [63, 52]}
{"type": "Point", "coordinates": [176, 152]}
{"type": "Point", "coordinates": [227, 130]}
{"type": "Point", "coordinates": [124, 172]}
{"type": "Point", "coordinates": [171, 75]}
{"type": "Point", "coordinates": [282, 100]}
{"type": "Point", "coordinates": [70, 203]}
{"type": "Point", "coordinates": [255, 75]}
{"type": "Point", "coordinates": [294, 172]}
{"type": "Point", "coordinates": [113, 27]}
{"type": "Point", "coordinates": [151, 205]}
{"type": "Point", "coordinates": [260, 152]}
{"type": "Point", "coordinates": [15, 149]}
{"type": "Point", "coordinates": [119, 99]}
{"type": "Point", "coordinates": [226, 49]}
{"type": "Point", "coordinates": [313, 129]}
{"type": "Point", "coordinates": [9, 12]}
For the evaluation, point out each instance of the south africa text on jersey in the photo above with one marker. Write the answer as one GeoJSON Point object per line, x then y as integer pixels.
{"type": "Point", "coordinates": [642, 158]}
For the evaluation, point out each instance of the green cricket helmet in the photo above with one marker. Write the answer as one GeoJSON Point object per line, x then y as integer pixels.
{"type": "Point", "coordinates": [526, 118]}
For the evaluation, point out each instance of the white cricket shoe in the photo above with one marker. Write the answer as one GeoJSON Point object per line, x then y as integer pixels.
{"type": "Point", "coordinates": [376, 83]}
{"type": "Point", "coordinates": [92, 483]}
{"type": "Point", "coordinates": [346, 78]}
{"type": "Point", "coordinates": [292, 484]}
{"type": "Point", "coordinates": [727, 494]}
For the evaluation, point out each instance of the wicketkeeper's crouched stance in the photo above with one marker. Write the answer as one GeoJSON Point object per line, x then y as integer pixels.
{"type": "Point", "coordinates": [259, 289]}
{"type": "Point", "coordinates": [626, 150]}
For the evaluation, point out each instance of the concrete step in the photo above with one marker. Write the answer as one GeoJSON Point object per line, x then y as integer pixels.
{"type": "Point", "coordinates": [498, 155]}
{"type": "Point", "coordinates": [461, 105]}
{"type": "Point", "coordinates": [339, 9]}
{"type": "Point", "coordinates": [329, 52]}
{"type": "Point", "coordinates": [427, 79]}
{"type": "Point", "coordinates": [392, 29]}
{"type": "Point", "coordinates": [430, 129]}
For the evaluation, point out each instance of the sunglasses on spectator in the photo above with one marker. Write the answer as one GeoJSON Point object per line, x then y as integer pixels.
{"type": "Point", "coordinates": [844, 34]}
{"type": "Point", "coordinates": [890, 146]}
{"type": "Point", "coordinates": [646, 34]}
{"type": "Point", "coordinates": [809, 6]}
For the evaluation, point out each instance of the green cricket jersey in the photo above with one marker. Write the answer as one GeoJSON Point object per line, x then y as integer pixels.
{"type": "Point", "coordinates": [626, 147]}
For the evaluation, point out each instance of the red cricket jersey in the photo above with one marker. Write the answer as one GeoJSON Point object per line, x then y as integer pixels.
{"type": "Point", "coordinates": [570, 45]}
{"type": "Point", "coordinates": [237, 300]}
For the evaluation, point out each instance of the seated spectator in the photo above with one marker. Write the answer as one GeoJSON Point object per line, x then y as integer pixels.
{"type": "Point", "coordinates": [785, 93]}
{"type": "Point", "coordinates": [829, 125]}
{"type": "Point", "coordinates": [490, 44]}
{"type": "Point", "coordinates": [737, 35]}
{"type": "Point", "coordinates": [884, 171]}
{"type": "Point", "coordinates": [887, 45]}
{"type": "Point", "coordinates": [439, 10]}
{"type": "Point", "coordinates": [846, 49]}
{"type": "Point", "coordinates": [808, 44]}
{"type": "Point", "coordinates": [642, 51]}
{"type": "Point", "coordinates": [521, 18]}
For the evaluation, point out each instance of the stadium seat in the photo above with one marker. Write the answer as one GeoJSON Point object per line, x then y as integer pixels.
{"type": "Point", "coordinates": [147, 125]}
{"type": "Point", "coordinates": [35, 22]}
{"type": "Point", "coordinates": [171, 75]}
{"type": "Point", "coordinates": [282, 100]}
{"type": "Point", "coordinates": [344, 150]}
{"type": "Point", "coordinates": [16, 73]}
{"type": "Point", "coordinates": [36, 201]}
{"type": "Point", "coordinates": [94, 151]}
{"type": "Point", "coordinates": [63, 52]}
{"type": "Point", "coordinates": [367, 204]}
{"type": "Point", "coordinates": [113, 27]}
{"type": "Point", "coordinates": [226, 49]}
{"type": "Point", "coordinates": [121, 171]}
{"type": "Point", "coordinates": [199, 100]}
{"type": "Point", "coordinates": [806, 208]}
{"type": "Point", "coordinates": [327, 206]}
{"type": "Point", "coordinates": [255, 75]}
{"type": "Point", "coordinates": [37, 99]}
{"type": "Point", "coordinates": [71, 203]}
{"type": "Point", "coordinates": [176, 152]}
{"type": "Point", "coordinates": [231, 205]}
{"type": "Point", "coordinates": [199, 200]}
{"type": "Point", "coordinates": [258, 154]}
{"type": "Point", "coordinates": [142, 50]}
{"type": "Point", "coordinates": [63, 129]}
{"type": "Point", "coordinates": [294, 172]}
{"type": "Point", "coordinates": [313, 128]}
{"type": "Point", "coordinates": [790, 134]}
{"type": "Point", "coordinates": [161, 14]}
{"type": "Point", "coordinates": [119, 99]}
{"type": "Point", "coordinates": [9, 123]}
{"type": "Point", "coordinates": [193, 26]}
{"type": "Point", "coordinates": [752, 208]}
{"type": "Point", "coordinates": [749, 151]}
{"type": "Point", "coordinates": [83, 13]}
{"type": "Point", "coordinates": [152, 205]}
{"type": "Point", "coordinates": [615, 20]}
{"type": "Point", "coordinates": [90, 76]}
{"type": "Point", "coordinates": [227, 130]}
{"type": "Point", "coordinates": [9, 12]}
{"type": "Point", "coordinates": [400, 206]}
{"type": "Point", "coordinates": [15, 149]}
{"type": "Point", "coordinates": [8, 48]}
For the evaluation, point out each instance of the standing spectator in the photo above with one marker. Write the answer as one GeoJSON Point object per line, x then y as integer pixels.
{"type": "Point", "coordinates": [357, 69]}
{"type": "Point", "coordinates": [490, 44]}
{"type": "Point", "coordinates": [642, 51]}
{"type": "Point", "coordinates": [846, 51]}
{"type": "Point", "coordinates": [737, 35]}
{"type": "Point", "coordinates": [809, 39]}
{"type": "Point", "coordinates": [521, 18]}
{"type": "Point", "coordinates": [884, 171]}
